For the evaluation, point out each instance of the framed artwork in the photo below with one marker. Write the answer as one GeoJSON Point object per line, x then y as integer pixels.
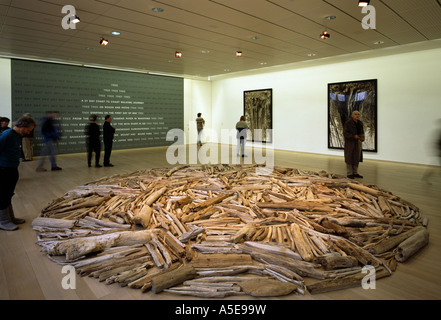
{"type": "Point", "coordinates": [258, 110]}
{"type": "Point", "coordinates": [343, 99]}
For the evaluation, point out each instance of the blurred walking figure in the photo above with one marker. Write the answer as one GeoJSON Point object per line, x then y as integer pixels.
{"type": "Point", "coordinates": [27, 143]}
{"type": "Point", "coordinates": [200, 123]}
{"type": "Point", "coordinates": [436, 149]}
{"type": "Point", "coordinates": [50, 133]}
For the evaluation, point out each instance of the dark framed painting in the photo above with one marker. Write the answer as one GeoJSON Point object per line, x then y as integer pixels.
{"type": "Point", "coordinates": [343, 99]}
{"type": "Point", "coordinates": [258, 110]}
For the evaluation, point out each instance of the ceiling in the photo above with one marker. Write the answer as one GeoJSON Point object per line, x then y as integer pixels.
{"type": "Point", "coordinates": [209, 32]}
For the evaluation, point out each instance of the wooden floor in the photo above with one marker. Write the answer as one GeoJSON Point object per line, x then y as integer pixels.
{"type": "Point", "coordinates": [26, 273]}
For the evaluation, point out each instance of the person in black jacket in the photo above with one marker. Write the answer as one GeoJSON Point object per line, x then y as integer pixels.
{"type": "Point", "coordinates": [108, 134]}
{"type": "Point", "coordinates": [93, 142]}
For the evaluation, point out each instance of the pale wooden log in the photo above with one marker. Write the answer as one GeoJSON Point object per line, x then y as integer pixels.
{"type": "Point", "coordinates": [106, 257]}
{"type": "Point", "coordinates": [210, 202]}
{"type": "Point", "coordinates": [246, 233]}
{"type": "Point", "coordinates": [351, 281]}
{"type": "Point", "coordinates": [384, 205]}
{"type": "Point", "coordinates": [302, 268]}
{"type": "Point", "coordinates": [277, 249]}
{"type": "Point", "coordinates": [144, 216]}
{"type": "Point", "coordinates": [96, 269]}
{"type": "Point", "coordinates": [220, 260]}
{"type": "Point", "coordinates": [144, 283]}
{"type": "Point", "coordinates": [155, 196]}
{"type": "Point", "coordinates": [200, 293]}
{"type": "Point", "coordinates": [75, 248]}
{"type": "Point", "coordinates": [391, 242]}
{"type": "Point", "coordinates": [366, 189]}
{"type": "Point", "coordinates": [164, 251]}
{"type": "Point", "coordinates": [106, 223]}
{"type": "Point", "coordinates": [300, 205]}
{"type": "Point", "coordinates": [412, 245]}
{"type": "Point", "coordinates": [53, 223]}
{"type": "Point", "coordinates": [174, 243]}
{"type": "Point", "coordinates": [363, 256]}
{"type": "Point", "coordinates": [156, 254]}
{"type": "Point", "coordinates": [267, 287]}
{"type": "Point", "coordinates": [331, 262]}
{"type": "Point", "coordinates": [187, 236]}
{"type": "Point", "coordinates": [302, 247]}
{"type": "Point", "coordinates": [339, 230]}
{"type": "Point", "coordinates": [227, 271]}
{"type": "Point", "coordinates": [92, 201]}
{"type": "Point", "coordinates": [172, 278]}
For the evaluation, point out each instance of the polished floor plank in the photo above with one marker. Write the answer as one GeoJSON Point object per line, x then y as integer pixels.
{"type": "Point", "coordinates": [26, 273]}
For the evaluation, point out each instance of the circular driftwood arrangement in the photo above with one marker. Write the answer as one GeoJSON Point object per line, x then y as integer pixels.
{"type": "Point", "coordinates": [221, 230]}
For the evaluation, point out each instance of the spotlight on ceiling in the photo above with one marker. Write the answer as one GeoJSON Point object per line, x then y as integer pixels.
{"type": "Point", "coordinates": [178, 54]}
{"type": "Point", "coordinates": [238, 53]}
{"type": "Point", "coordinates": [74, 19]}
{"type": "Point", "coordinates": [364, 3]}
{"type": "Point", "coordinates": [104, 42]}
{"type": "Point", "coordinates": [325, 35]}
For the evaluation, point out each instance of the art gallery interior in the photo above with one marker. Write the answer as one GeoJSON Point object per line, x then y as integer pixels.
{"type": "Point", "coordinates": [227, 49]}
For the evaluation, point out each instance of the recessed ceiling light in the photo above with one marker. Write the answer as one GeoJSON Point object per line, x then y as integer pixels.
{"type": "Point", "coordinates": [263, 63]}
{"type": "Point", "coordinates": [158, 10]}
{"type": "Point", "coordinates": [178, 54]}
{"type": "Point", "coordinates": [74, 19]}
{"type": "Point", "coordinates": [238, 53]}
{"type": "Point", "coordinates": [254, 37]}
{"type": "Point", "coordinates": [330, 17]}
{"type": "Point", "coordinates": [311, 54]}
{"type": "Point", "coordinates": [325, 35]}
{"type": "Point", "coordinates": [116, 33]}
{"type": "Point", "coordinates": [379, 42]}
{"type": "Point", "coordinates": [205, 51]}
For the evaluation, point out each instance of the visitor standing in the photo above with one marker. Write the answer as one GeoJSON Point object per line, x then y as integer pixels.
{"type": "Point", "coordinates": [93, 142]}
{"type": "Point", "coordinates": [27, 144]}
{"type": "Point", "coordinates": [108, 135]}
{"type": "Point", "coordinates": [242, 128]}
{"type": "Point", "coordinates": [10, 153]}
{"type": "Point", "coordinates": [353, 132]}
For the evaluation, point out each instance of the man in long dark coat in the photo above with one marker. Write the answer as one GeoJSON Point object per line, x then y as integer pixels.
{"type": "Point", "coordinates": [108, 134]}
{"type": "Point", "coordinates": [354, 136]}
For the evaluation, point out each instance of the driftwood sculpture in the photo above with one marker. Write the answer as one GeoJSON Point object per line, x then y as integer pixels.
{"type": "Point", "coordinates": [216, 231]}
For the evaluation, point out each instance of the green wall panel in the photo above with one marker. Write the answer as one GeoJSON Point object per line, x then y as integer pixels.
{"type": "Point", "coordinates": [144, 107]}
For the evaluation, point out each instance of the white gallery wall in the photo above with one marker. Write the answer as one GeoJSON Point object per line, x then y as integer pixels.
{"type": "Point", "coordinates": [409, 103]}
{"type": "Point", "coordinates": [5, 88]}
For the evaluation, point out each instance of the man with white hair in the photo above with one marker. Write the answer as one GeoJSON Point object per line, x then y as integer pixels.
{"type": "Point", "coordinates": [353, 132]}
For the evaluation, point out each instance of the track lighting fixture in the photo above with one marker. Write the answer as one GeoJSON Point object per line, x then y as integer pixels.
{"type": "Point", "coordinates": [325, 35]}
{"type": "Point", "coordinates": [238, 53]}
{"type": "Point", "coordinates": [178, 54]}
{"type": "Point", "coordinates": [104, 42]}
{"type": "Point", "coordinates": [74, 19]}
{"type": "Point", "coordinates": [363, 3]}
